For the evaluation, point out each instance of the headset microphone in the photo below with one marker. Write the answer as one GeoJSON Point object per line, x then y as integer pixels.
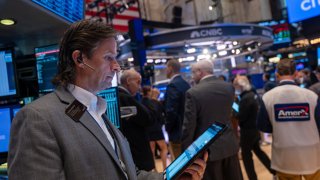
{"type": "Point", "coordinates": [80, 60]}
{"type": "Point", "coordinates": [88, 66]}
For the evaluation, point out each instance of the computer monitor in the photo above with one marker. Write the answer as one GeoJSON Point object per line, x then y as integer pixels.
{"type": "Point", "coordinates": [46, 60]}
{"type": "Point", "coordinates": [71, 11]}
{"type": "Point", "coordinates": [110, 95]}
{"type": "Point", "coordinates": [15, 111]}
{"type": "Point", "coordinates": [5, 121]}
{"type": "Point", "coordinates": [8, 81]}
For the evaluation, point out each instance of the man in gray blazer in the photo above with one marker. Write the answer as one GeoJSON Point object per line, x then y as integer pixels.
{"type": "Point", "coordinates": [65, 134]}
{"type": "Point", "coordinates": [208, 101]}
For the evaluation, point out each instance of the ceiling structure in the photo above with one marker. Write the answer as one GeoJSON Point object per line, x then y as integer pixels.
{"type": "Point", "coordinates": [35, 26]}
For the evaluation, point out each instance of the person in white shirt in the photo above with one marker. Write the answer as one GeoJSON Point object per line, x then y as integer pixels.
{"type": "Point", "coordinates": [291, 114]}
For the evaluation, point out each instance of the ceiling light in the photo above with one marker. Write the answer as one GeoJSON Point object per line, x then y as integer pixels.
{"type": "Point", "coordinates": [221, 46]}
{"type": "Point", "coordinates": [191, 50]}
{"type": "Point", "coordinates": [210, 8]}
{"type": "Point", "coordinates": [205, 51]}
{"type": "Point", "coordinates": [222, 53]}
{"type": "Point", "coordinates": [7, 22]}
{"type": "Point", "coordinates": [205, 43]}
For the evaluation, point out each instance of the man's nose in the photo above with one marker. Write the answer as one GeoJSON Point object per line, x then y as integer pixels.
{"type": "Point", "coordinates": [115, 66]}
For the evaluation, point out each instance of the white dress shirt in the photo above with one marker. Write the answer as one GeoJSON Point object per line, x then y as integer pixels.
{"type": "Point", "coordinates": [96, 106]}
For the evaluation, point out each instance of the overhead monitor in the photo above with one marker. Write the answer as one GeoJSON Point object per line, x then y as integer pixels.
{"type": "Point", "coordinates": [8, 79]}
{"type": "Point", "coordinates": [110, 95]}
{"type": "Point", "coordinates": [46, 60]}
{"type": "Point", "coordinates": [299, 10]}
{"type": "Point", "coordinates": [70, 10]}
{"type": "Point", "coordinates": [280, 30]}
{"type": "Point", "coordinates": [5, 121]}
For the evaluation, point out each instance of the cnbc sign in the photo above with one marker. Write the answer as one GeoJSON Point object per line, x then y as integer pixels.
{"type": "Point", "coordinates": [299, 10]}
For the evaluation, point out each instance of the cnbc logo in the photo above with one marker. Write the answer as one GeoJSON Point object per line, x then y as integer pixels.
{"type": "Point", "coordinates": [206, 33]}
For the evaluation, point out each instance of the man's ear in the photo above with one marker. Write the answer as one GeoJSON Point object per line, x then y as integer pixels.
{"type": "Point", "coordinates": [76, 57]}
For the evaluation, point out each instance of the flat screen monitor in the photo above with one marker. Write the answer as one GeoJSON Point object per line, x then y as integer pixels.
{"type": "Point", "coordinates": [280, 30]}
{"type": "Point", "coordinates": [299, 10]}
{"type": "Point", "coordinates": [46, 60]}
{"type": "Point", "coordinates": [15, 111]}
{"type": "Point", "coordinates": [8, 79]}
{"type": "Point", "coordinates": [70, 10]}
{"type": "Point", "coordinates": [5, 121]}
{"type": "Point", "coordinates": [110, 95]}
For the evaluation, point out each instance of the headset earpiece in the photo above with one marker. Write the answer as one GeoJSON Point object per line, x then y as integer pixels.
{"type": "Point", "coordinates": [79, 59]}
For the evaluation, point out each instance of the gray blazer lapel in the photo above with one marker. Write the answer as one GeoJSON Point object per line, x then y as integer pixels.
{"type": "Point", "coordinates": [125, 153]}
{"type": "Point", "coordinates": [87, 121]}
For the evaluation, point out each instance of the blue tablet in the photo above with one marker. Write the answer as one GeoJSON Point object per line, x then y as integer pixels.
{"type": "Point", "coordinates": [235, 107]}
{"type": "Point", "coordinates": [176, 168]}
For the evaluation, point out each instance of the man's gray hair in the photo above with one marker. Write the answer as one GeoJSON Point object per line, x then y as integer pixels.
{"type": "Point", "coordinates": [243, 82]}
{"type": "Point", "coordinates": [204, 65]}
{"type": "Point", "coordinates": [126, 74]}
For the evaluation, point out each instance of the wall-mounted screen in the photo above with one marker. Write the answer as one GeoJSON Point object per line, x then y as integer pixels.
{"type": "Point", "coordinates": [70, 10]}
{"type": "Point", "coordinates": [8, 81]}
{"type": "Point", "coordinates": [5, 121]}
{"type": "Point", "coordinates": [280, 29]}
{"type": "Point", "coordinates": [46, 60]}
{"type": "Point", "coordinates": [299, 10]}
{"type": "Point", "coordinates": [113, 110]}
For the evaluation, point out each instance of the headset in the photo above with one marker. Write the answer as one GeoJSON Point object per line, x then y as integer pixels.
{"type": "Point", "coordinates": [80, 60]}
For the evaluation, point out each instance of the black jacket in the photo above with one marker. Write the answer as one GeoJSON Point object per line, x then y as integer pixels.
{"type": "Point", "coordinates": [135, 130]}
{"type": "Point", "coordinates": [157, 111]}
{"type": "Point", "coordinates": [248, 109]}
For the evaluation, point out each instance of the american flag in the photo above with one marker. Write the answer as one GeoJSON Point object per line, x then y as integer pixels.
{"type": "Point", "coordinates": [120, 20]}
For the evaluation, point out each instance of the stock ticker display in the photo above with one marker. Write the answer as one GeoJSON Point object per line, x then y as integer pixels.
{"type": "Point", "coordinates": [46, 59]}
{"type": "Point", "coordinates": [113, 110]}
{"type": "Point", "coordinates": [70, 10]}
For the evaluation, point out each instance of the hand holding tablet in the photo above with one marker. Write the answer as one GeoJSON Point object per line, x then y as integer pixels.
{"type": "Point", "coordinates": [180, 167]}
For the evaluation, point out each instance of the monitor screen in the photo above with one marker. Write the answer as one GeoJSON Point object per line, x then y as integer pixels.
{"type": "Point", "coordinates": [162, 90]}
{"type": "Point", "coordinates": [15, 110]}
{"type": "Point", "coordinates": [7, 74]}
{"type": "Point", "coordinates": [46, 59]}
{"type": "Point", "coordinates": [113, 110]}
{"type": "Point", "coordinates": [5, 121]}
{"type": "Point", "coordinates": [70, 10]}
{"type": "Point", "coordinates": [299, 10]}
{"type": "Point", "coordinates": [280, 29]}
